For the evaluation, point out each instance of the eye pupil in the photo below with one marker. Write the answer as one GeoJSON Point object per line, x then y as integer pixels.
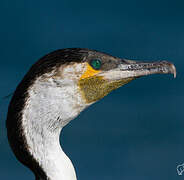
{"type": "Point", "coordinates": [96, 63]}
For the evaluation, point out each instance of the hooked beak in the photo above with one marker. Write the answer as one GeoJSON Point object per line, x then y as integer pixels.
{"type": "Point", "coordinates": [133, 69]}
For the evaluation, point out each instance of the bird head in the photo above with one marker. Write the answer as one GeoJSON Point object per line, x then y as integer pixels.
{"type": "Point", "coordinates": [72, 79]}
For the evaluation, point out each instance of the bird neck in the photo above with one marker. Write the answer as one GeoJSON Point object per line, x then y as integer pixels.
{"type": "Point", "coordinates": [48, 109]}
{"type": "Point", "coordinates": [51, 158]}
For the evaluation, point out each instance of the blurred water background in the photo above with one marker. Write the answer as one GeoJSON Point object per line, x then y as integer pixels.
{"type": "Point", "coordinates": [137, 131]}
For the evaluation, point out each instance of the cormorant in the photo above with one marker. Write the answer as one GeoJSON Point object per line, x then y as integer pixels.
{"type": "Point", "coordinates": [53, 92]}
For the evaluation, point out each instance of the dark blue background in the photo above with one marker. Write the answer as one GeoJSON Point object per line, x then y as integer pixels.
{"type": "Point", "coordinates": [137, 132]}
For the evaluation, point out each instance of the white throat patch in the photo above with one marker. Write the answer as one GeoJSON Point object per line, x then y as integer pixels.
{"type": "Point", "coordinates": [53, 101]}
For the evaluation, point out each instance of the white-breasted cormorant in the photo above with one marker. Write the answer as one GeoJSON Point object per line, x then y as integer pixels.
{"type": "Point", "coordinates": [53, 92]}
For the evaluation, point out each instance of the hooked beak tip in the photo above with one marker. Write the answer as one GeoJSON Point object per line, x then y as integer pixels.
{"type": "Point", "coordinates": [173, 70]}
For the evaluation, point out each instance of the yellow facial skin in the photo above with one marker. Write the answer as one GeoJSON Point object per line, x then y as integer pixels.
{"type": "Point", "coordinates": [94, 87]}
{"type": "Point", "coordinates": [89, 72]}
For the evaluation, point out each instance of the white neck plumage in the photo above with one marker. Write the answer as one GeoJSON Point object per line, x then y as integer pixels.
{"type": "Point", "coordinates": [51, 157]}
{"type": "Point", "coordinates": [50, 106]}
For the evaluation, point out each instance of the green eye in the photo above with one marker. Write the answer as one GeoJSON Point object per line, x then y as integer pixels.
{"type": "Point", "coordinates": [96, 63]}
